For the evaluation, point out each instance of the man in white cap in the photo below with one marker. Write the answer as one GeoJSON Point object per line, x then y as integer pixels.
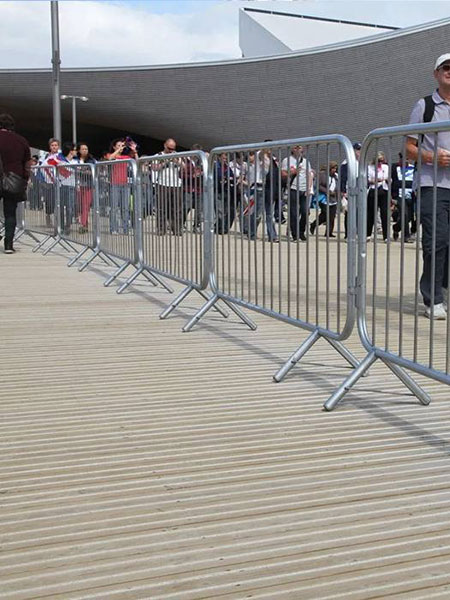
{"type": "Point", "coordinates": [434, 108]}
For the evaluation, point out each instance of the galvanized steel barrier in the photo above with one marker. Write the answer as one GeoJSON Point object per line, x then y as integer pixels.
{"type": "Point", "coordinates": [77, 224]}
{"type": "Point", "coordinates": [173, 203]}
{"type": "Point", "coordinates": [39, 213]}
{"type": "Point", "coordinates": [392, 275]}
{"type": "Point", "coordinates": [288, 271]}
{"type": "Point", "coordinates": [117, 219]}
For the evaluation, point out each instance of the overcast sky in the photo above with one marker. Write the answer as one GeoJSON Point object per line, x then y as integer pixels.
{"type": "Point", "coordinates": [153, 32]}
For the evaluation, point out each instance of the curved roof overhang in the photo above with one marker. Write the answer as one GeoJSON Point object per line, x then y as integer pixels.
{"type": "Point", "coordinates": [343, 88]}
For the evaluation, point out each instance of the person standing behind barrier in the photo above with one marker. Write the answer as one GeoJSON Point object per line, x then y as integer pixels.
{"type": "Point", "coordinates": [68, 187]}
{"type": "Point", "coordinates": [119, 215]}
{"type": "Point", "coordinates": [328, 190]}
{"type": "Point", "coordinates": [402, 173]}
{"type": "Point", "coordinates": [192, 175]}
{"type": "Point", "coordinates": [258, 169]}
{"type": "Point", "coordinates": [15, 160]}
{"type": "Point", "coordinates": [297, 171]}
{"type": "Point", "coordinates": [272, 190]}
{"type": "Point", "coordinates": [52, 159]}
{"type": "Point", "coordinates": [169, 201]}
{"type": "Point", "coordinates": [85, 189]}
{"type": "Point", "coordinates": [434, 108]}
{"type": "Point", "coordinates": [225, 194]}
{"type": "Point", "coordinates": [378, 179]}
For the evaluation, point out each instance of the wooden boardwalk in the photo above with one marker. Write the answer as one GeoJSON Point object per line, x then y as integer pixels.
{"type": "Point", "coordinates": [138, 462]}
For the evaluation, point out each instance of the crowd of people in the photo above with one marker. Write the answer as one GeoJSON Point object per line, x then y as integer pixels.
{"type": "Point", "coordinates": [252, 187]}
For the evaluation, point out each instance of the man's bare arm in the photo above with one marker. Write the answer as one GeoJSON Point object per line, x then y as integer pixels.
{"type": "Point", "coordinates": [412, 153]}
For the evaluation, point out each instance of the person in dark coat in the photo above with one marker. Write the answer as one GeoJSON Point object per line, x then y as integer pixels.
{"type": "Point", "coordinates": [16, 160]}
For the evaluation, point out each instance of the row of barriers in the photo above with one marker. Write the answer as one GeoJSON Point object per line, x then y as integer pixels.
{"type": "Point", "coordinates": [279, 228]}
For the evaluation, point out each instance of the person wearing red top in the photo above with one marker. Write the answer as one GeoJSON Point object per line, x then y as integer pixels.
{"type": "Point", "coordinates": [119, 216]}
{"type": "Point", "coordinates": [15, 158]}
{"type": "Point", "coordinates": [47, 181]}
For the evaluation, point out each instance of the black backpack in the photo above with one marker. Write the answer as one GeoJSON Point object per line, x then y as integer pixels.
{"type": "Point", "coordinates": [429, 109]}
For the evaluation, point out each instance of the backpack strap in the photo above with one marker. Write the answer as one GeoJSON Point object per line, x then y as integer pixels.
{"type": "Point", "coordinates": [428, 113]}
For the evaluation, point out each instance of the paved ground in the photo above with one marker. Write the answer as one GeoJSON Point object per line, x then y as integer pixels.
{"type": "Point", "coordinates": [141, 462]}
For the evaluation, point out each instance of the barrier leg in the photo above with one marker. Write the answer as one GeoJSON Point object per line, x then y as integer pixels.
{"type": "Point", "coordinates": [33, 237]}
{"type": "Point", "coordinates": [364, 365]}
{"type": "Point", "coordinates": [409, 382]}
{"type": "Point", "coordinates": [172, 306]}
{"type": "Point", "coordinates": [296, 356]}
{"type": "Point", "coordinates": [65, 243]}
{"type": "Point", "coordinates": [241, 314]}
{"type": "Point", "coordinates": [41, 243]}
{"type": "Point", "coordinates": [52, 245]}
{"type": "Point", "coordinates": [199, 314]}
{"type": "Point", "coordinates": [116, 273]}
{"type": "Point", "coordinates": [149, 277]}
{"type": "Point", "coordinates": [19, 235]}
{"type": "Point", "coordinates": [130, 280]}
{"type": "Point", "coordinates": [160, 280]}
{"type": "Point", "coordinates": [216, 307]}
{"type": "Point", "coordinates": [78, 256]}
{"type": "Point", "coordinates": [344, 352]}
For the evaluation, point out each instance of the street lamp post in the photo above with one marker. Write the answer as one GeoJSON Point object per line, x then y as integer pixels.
{"type": "Point", "coordinates": [74, 113]}
{"type": "Point", "coordinates": [56, 62]}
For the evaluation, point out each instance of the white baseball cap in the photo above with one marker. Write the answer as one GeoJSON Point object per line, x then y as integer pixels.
{"type": "Point", "coordinates": [441, 60]}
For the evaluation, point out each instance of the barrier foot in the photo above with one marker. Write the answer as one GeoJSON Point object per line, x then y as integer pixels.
{"type": "Point", "coordinates": [344, 352]}
{"type": "Point", "coordinates": [78, 256]}
{"type": "Point", "coordinates": [241, 314]}
{"type": "Point", "coordinates": [216, 307]}
{"type": "Point", "coordinates": [19, 235]}
{"type": "Point", "coordinates": [409, 382]}
{"type": "Point", "coordinates": [116, 273]}
{"type": "Point", "coordinates": [160, 280]}
{"type": "Point", "coordinates": [363, 366]}
{"type": "Point", "coordinates": [172, 306]}
{"type": "Point", "coordinates": [130, 280]}
{"type": "Point", "coordinates": [296, 356]}
{"type": "Point", "coordinates": [199, 314]}
{"type": "Point", "coordinates": [41, 243]}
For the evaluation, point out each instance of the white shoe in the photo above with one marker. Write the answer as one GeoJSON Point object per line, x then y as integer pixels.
{"type": "Point", "coordinates": [439, 312]}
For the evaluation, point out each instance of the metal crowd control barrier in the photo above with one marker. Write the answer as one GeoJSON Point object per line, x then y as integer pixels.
{"type": "Point", "coordinates": [41, 207]}
{"type": "Point", "coordinates": [174, 202]}
{"type": "Point", "coordinates": [76, 223]}
{"type": "Point", "coordinates": [269, 256]}
{"type": "Point", "coordinates": [393, 278]}
{"type": "Point", "coordinates": [117, 214]}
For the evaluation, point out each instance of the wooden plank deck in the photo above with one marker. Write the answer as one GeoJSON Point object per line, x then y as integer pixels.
{"type": "Point", "coordinates": [138, 462]}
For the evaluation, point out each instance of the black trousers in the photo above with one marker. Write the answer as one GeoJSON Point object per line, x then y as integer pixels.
{"type": "Point", "coordinates": [384, 212]}
{"type": "Point", "coordinates": [323, 217]}
{"type": "Point", "coordinates": [9, 212]}
{"type": "Point", "coordinates": [298, 213]}
{"type": "Point", "coordinates": [408, 217]}
{"type": "Point", "coordinates": [440, 245]}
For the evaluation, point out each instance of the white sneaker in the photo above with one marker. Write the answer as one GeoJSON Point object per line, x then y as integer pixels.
{"type": "Point", "coordinates": [439, 312]}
